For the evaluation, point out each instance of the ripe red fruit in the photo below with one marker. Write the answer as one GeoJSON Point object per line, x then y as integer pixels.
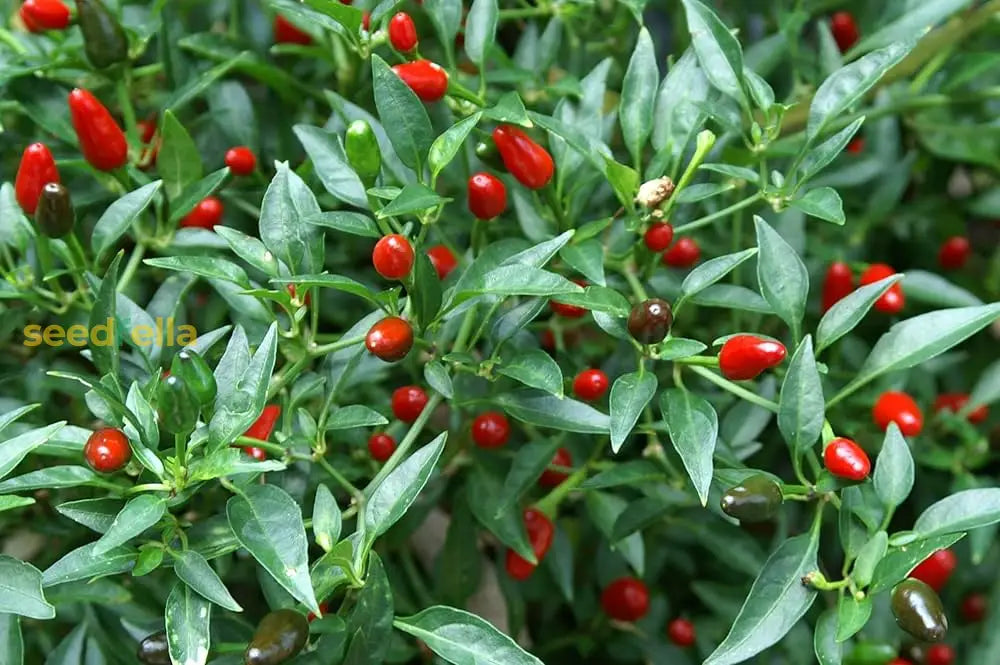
{"type": "Point", "coordinates": [393, 256]}
{"type": "Point", "coordinates": [838, 284]}
{"type": "Point", "coordinates": [898, 407]}
{"type": "Point", "coordinates": [241, 160]}
{"type": "Point", "coordinates": [590, 384]}
{"type": "Point", "coordinates": [974, 607]}
{"type": "Point", "coordinates": [37, 169]}
{"type": "Point", "coordinates": [955, 402]}
{"type": "Point", "coordinates": [844, 29]}
{"type": "Point", "coordinates": [206, 215]}
{"type": "Point", "coordinates": [954, 253]}
{"type": "Point", "coordinates": [625, 599]}
{"type": "Point", "coordinates": [442, 259]}
{"type": "Point", "coordinates": [684, 254]}
{"type": "Point", "coordinates": [935, 570]}
{"type": "Point", "coordinates": [487, 196]}
{"type": "Point", "coordinates": [428, 80]}
{"type": "Point", "coordinates": [264, 425]}
{"type": "Point", "coordinates": [569, 311]}
{"type": "Point", "coordinates": [490, 430]}
{"type": "Point", "coordinates": [744, 357]}
{"type": "Point", "coordinates": [366, 20]}
{"type": "Point", "coordinates": [381, 447]}
{"type": "Point", "coordinates": [540, 532]}
{"type": "Point", "coordinates": [659, 236]}
{"type": "Point", "coordinates": [845, 459]}
{"type": "Point", "coordinates": [892, 301]}
{"type": "Point", "coordinates": [390, 339]}
{"type": "Point", "coordinates": [402, 33]}
{"type": "Point", "coordinates": [940, 654]}
{"type": "Point", "coordinates": [551, 477]}
{"type": "Point", "coordinates": [527, 161]}
{"type": "Point", "coordinates": [147, 129]}
{"type": "Point", "coordinates": [39, 15]}
{"type": "Point", "coordinates": [408, 402]}
{"type": "Point", "coordinates": [323, 607]}
{"type": "Point", "coordinates": [681, 632]}
{"type": "Point", "coordinates": [107, 450]}
{"type": "Point", "coordinates": [286, 32]}
{"type": "Point", "coordinates": [102, 141]}
{"type": "Point", "coordinates": [856, 146]}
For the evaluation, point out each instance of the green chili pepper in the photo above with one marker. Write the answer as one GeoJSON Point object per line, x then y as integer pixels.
{"type": "Point", "coordinates": [153, 650]}
{"type": "Point", "coordinates": [195, 372]}
{"type": "Point", "coordinates": [756, 499]}
{"type": "Point", "coordinates": [363, 152]}
{"type": "Point", "coordinates": [178, 407]}
{"type": "Point", "coordinates": [104, 39]}
{"type": "Point", "coordinates": [918, 611]}
{"type": "Point", "coordinates": [279, 636]}
{"type": "Point", "coordinates": [488, 154]}
{"type": "Point", "coordinates": [54, 215]}
{"type": "Point", "coordinates": [869, 653]}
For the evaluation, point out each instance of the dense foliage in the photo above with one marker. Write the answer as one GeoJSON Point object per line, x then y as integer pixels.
{"type": "Point", "coordinates": [513, 332]}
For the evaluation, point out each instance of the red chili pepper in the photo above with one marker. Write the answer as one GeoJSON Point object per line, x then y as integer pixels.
{"type": "Point", "coordinates": [487, 196]}
{"type": "Point", "coordinates": [428, 80]}
{"type": "Point", "coordinates": [107, 450]}
{"type": "Point", "coordinates": [954, 253]}
{"type": "Point", "coordinates": [402, 33]}
{"type": "Point", "coordinates": [101, 139]}
{"type": "Point", "coordinates": [681, 632]}
{"type": "Point", "coordinates": [490, 430]}
{"type": "Point", "coordinates": [974, 607]}
{"type": "Point", "coordinates": [553, 478]}
{"type": "Point", "coordinates": [569, 311]}
{"type": "Point", "coordinates": [892, 301]}
{"type": "Point", "coordinates": [898, 407]}
{"type": "Point", "coordinates": [844, 29]}
{"type": "Point", "coordinates": [684, 254]}
{"type": "Point", "coordinates": [442, 259]}
{"type": "Point", "coordinates": [940, 654]}
{"type": "Point", "coordinates": [381, 447]}
{"type": "Point", "coordinates": [390, 339]}
{"type": "Point", "coordinates": [590, 384]}
{"type": "Point", "coordinates": [286, 32]}
{"type": "Point", "coordinates": [625, 599]}
{"type": "Point", "coordinates": [540, 532]}
{"type": "Point", "coordinates": [856, 146]}
{"type": "Point", "coordinates": [936, 570]}
{"type": "Point", "coordinates": [528, 162]}
{"type": "Point", "coordinates": [393, 256]}
{"type": "Point", "coordinates": [955, 402]}
{"type": "Point", "coordinates": [206, 215]}
{"type": "Point", "coordinates": [845, 459]}
{"type": "Point", "coordinates": [744, 357]}
{"type": "Point", "coordinates": [264, 425]}
{"type": "Point", "coordinates": [39, 15]}
{"type": "Point", "coordinates": [659, 236]}
{"type": "Point", "coordinates": [838, 284]}
{"type": "Point", "coordinates": [408, 402]}
{"type": "Point", "coordinates": [36, 170]}
{"type": "Point", "coordinates": [241, 160]}
{"type": "Point", "coordinates": [366, 20]}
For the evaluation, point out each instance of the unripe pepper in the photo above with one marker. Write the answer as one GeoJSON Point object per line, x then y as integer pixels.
{"type": "Point", "coordinates": [528, 162]}
{"type": "Point", "coordinates": [55, 216]}
{"type": "Point", "coordinates": [744, 357]}
{"type": "Point", "coordinates": [650, 321]}
{"type": "Point", "coordinates": [280, 635]}
{"type": "Point", "coordinates": [37, 169]}
{"type": "Point", "coordinates": [845, 459]}
{"type": "Point", "coordinates": [402, 33]}
{"type": "Point", "coordinates": [177, 406]}
{"type": "Point", "coordinates": [838, 284]}
{"type": "Point", "coordinates": [104, 39]}
{"type": "Point", "coordinates": [871, 653]}
{"type": "Point", "coordinates": [428, 80]}
{"type": "Point", "coordinates": [756, 499]}
{"type": "Point", "coordinates": [101, 139]}
{"type": "Point", "coordinates": [918, 611]}
{"type": "Point", "coordinates": [153, 650]}
{"type": "Point", "coordinates": [363, 154]}
{"type": "Point", "coordinates": [39, 15]}
{"type": "Point", "coordinates": [195, 372]}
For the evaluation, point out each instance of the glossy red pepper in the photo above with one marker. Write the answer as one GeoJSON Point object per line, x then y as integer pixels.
{"type": "Point", "coordinates": [837, 285]}
{"type": "Point", "coordinates": [390, 339]}
{"type": "Point", "coordinates": [939, 654]}
{"type": "Point", "coordinates": [487, 196]}
{"type": "Point", "coordinates": [264, 425]}
{"type": "Point", "coordinates": [286, 32]}
{"type": "Point", "coordinates": [955, 402]}
{"type": "Point", "coordinates": [844, 29]}
{"type": "Point", "coordinates": [845, 459]}
{"type": "Point", "coordinates": [490, 430]}
{"type": "Point", "coordinates": [569, 311]}
{"type": "Point", "coordinates": [402, 32]}
{"type": "Point", "coordinates": [41, 15]}
{"type": "Point", "coordinates": [393, 256]}
{"type": "Point", "coordinates": [540, 533]}
{"type": "Point", "coordinates": [527, 161]}
{"type": "Point", "coordinates": [408, 402]}
{"type": "Point", "coordinates": [892, 301]}
{"type": "Point", "coordinates": [443, 260]}
{"type": "Point", "coordinates": [206, 215]}
{"type": "Point", "coordinates": [36, 170]}
{"type": "Point", "coordinates": [936, 570]}
{"type": "Point", "coordinates": [625, 599]}
{"type": "Point", "coordinates": [744, 357]}
{"type": "Point", "coordinates": [107, 450]}
{"type": "Point", "coordinates": [974, 607]}
{"type": "Point", "coordinates": [590, 384]}
{"type": "Point", "coordinates": [954, 253]}
{"type": "Point", "coordinates": [681, 633]}
{"type": "Point", "coordinates": [102, 141]}
{"type": "Point", "coordinates": [381, 447]}
{"type": "Point", "coordinates": [552, 477]}
{"type": "Point", "coordinates": [898, 407]}
{"type": "Point", "coordinates": [659, 236]}
{"type": "Point", "coordinates": [428, 80]}
{"type": "Point", "coordinates": [241, 160]}
{"type": "Point", "coordinates": [684, 254]}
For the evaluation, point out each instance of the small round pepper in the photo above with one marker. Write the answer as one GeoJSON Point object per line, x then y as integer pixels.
{"type": "Point", "coordinates": [390, 339]}
{"type": "Point", "coordinates": [104, 39]}
{"type": "Point", "coordinates": [153, 650]}
{"type": "Point", "coordinates": [844, 30]}
{"type": "Point", "coordinates": [55, 216]}
{"type": "Point", "coordinates": [363, 153]}
{"type": "Point", "coordinates": [402, 32]}
{"type": "Point", "coordinates": [487, 196]}
{"type": "Point", "coordinates": [649, 321]}
{"type": "Point", "coordinates": [540, 533]}
{"type": "Point", "coordinates": [756, 499]}
{"type": "Point", "coordinates": [280, 635]}
{"type": "Point", "coordinates": [428, 80]}
{"type": "Point", "coordinates": [894, 406]}
{"type": "Point", "coordinates": [101, 139]}
{"type": "Point", "coordinates": [625, 599]}
{"type": "Point", "coordinates": [893, 300]}
{"type": "Point", "coordinates": [918, 611]}
{"type": "Point", "coordinates": [196, 373]}
{"type": "Point", "coordinates": [37, 169]}
{"type": "Point", "coordinates": [40, 15]}
{"type": "Point", "coordinates": [936, 570]}
{"type": "Point", "coordinates": [107, 450]}
{"type": "Point", "coordinates": [837, 285]}
{"type": "Point", "coordinates": [177, 406]}
{"type": "Point", "coordinates": [845, 459]}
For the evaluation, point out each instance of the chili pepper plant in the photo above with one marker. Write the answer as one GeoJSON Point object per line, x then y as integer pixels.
{"type": "Point", "coordinates": [499, 332]}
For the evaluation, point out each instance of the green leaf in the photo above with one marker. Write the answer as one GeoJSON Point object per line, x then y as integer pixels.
{"type": "Point", "coordinates": [599, 299]}
{"type": "Point", "coordinates": [120, 216]}
{"type": "Point", "coordinates": [188, 623]}
{"type": "Point", "coordinates": [801, 409]}
{"type": "Point", "coordinates": [426, 293]}
{"type": "Point", "coordinates": [463, 638]}
{"type": "Point", "coordinates": [460, 556]}
{"type": "Point", "coordinates": [693, 426]}
{"type": "Point", "coordinates": [635, 109]}
{"type": "Point", "coordinates": [392, 497]}
{"type": "Point", "coordinates": [848, 312]}
{"type": "Point", "coordinates": [900, 561]}
{"type": "Point", "coordinates": [447, 145]}
{"type": "Point", "coordinates": [893, 475]}
{"type": "Point", "coordinates": [480, 29]}
{"type": "Point", "coordinates": [783, 278]}
{"type": "Point", "coordinates": [718, 50]}
{"type": "Point", "coordinates": [777, 601]}
{"type": "Point", "coordinates": [624, 180]}
{"type": "Point", "coordinates": [486, 502]}
{"type": "Point", "coordinates": [268, 523]}
{"type": "Point", "coordinates": [21, 590]}
{"type": "Point", "coordinates": [916, 20]}
{"type": "Point", "coordinates": [210, 267]}
{"type": "Point", "coordinates": [14, 502]}
{"type": "Point", "coordinates": [446, 15]}
{"type": "Point", "coordinates": [12, 451]}
{"type": "Point", "coordinates": [11, 640]}
{"type": "Point", "coordinates": [371, 620]}
{"type": "Point", "coordinates": [822, 202]}
{"type": "Point", "coordinates": [847, 85]}
{"type": "Point", "coordinates": [403, 115]}
{"type": "Point", "coordinates": [178, 161]}
{"type": "Point", "coordinates": [139, 514]}
{"type": "Point", "coordinates": [288, 202]}
{"type": "Point", "coordinates": [338, 282]}
{"type": "Point", "coordinates": [331, 165]}
{"type": "Point", "coordinates": [828, 649]}
{"type": "Point", "coordinates": [518, 280]}
{"type": "Point", "coordinates": [249, 249]}
{"type": "Point", "coordinates": [852, 615]}
{"type": "Point", "coordinates": [95, 514]}
{"type": "Point", "coordinates": [605, 511]}
{"type": "Point", "coordinates": [193, 570]}
{"type": "Point", "coordinates": [355, 415]}
{"type": "Point", "coordinates": [529, 463]}
{"type": "Point", "coordinates": [712, 271]}
{"type": "Point", "coordinates": [326, 518]}
{"type": "Point", "coordinates": [437, 377]}
{"type": "Point", "coordinates": [732, 296]}
{"type": "Point", "coordinates": [82, 563]}
{"type": "Point", "coordinates": [869, 557]}
{"type": "Point", "coordinates": [962, 511]}
{"type": "Point", "coordinates": [934, 289]}
{"type": "Point", "coordinates": [535, 369]}
{"type": "Point", "coordinates": [353, 223]}
{"type": "Point", "coordinates": [196, 85]}
{"type": "Point", "coordinates": [243, 400]}
{"type": "Point", "coordinates": [819, 157]}
{"type": "Point", "coordinates": [509, 108]}
{"type": "Point", "coordinates": [413, 199]}
{"type": "Point", "coordinates": [105, 351]}
{"type": "Point", "coordinates": [987, 388]}
{"type": "Point", "coordinates": [760, 90]}
{"type": "Point", "coordinates": [627, 473]}
{"type": "Point", "coordinates": [537, 408]}
{"type": "Point", "coordinates": [228, 462]}
{"type": "Point", "coordinates": [629, 396]}
{"type": "Point", "coordinates": [587, 258]}
{"type": "Point", "coordinates": [195, 193]}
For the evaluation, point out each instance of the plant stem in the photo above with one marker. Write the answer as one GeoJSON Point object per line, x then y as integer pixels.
{"type": "Point", "coordinates": [133, 264]}
{"type": "Point", "coordinates": [739, 391]}
{"type": "Point", "coordinates": [725, 212]}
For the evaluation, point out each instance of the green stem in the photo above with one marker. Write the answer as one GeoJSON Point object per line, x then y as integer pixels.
{"type": "Point", "coordinates": [739, 391]}
{"type": "Point", "coordinates": [705, 141]}
{"type": "Point", "coordinates": [634, 283]}
{"type": "Point", "coordinates": [339, 478]}
{"type": "Point", "coordinates": [128, 111]}
{"type": "Point", "coordinates": [321, 350]}
{"type": "Point", "coordinates": [133, 264]}
{"type": "Point", "coordinates": [725, 212]}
